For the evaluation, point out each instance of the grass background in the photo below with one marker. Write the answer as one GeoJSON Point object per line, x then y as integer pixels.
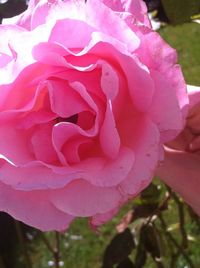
{"type": "Point", "coordinates": [186, 39]}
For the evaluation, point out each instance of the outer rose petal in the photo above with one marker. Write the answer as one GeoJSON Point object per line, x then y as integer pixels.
{"type": "Point", "coordinates": [165, 110]}
{"type": "Point", "coordinates": [180, 169]}
{"type": "Point", "coordinates": [81, 199]}
{"type": "Point", "coordinates": [33, 208]}
{"type": "Point", "coordinates": [91, 13]}
{"type": "Point", "coordinates": [194, 95]}
{"type": "Point", "coordinates": [136, 7]}
{"type": "Point", "coordinates": [7, 53]}
{"type": "Point", "coordinates": [39, 176]}
{"type": "Point", "coordinates": [146, 153]}
{"type": "Point", "coordinates": [111, 25]}
{"type": "Point", "coordinates": [99, 219]}
{"type": "Point", "coordinates": [161, 59]}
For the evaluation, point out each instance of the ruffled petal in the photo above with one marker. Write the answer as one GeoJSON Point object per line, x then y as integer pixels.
{"type": "Point", "coordinates": [165, 111]}
{"type": "Point", "coordinates": [111, 24]}
{"type": "Point", "coordinates": [100, 219]}
{"type": "Point", "coordinates": [160, 57]}
{"type": "Point", "coordinates": [14, 144]}
{"type": "Point", "coordinates": [81, 199]}
{"type": "Point", "coordinates": [194, 95]}
{"type": "Point", "coordinates": [136, 7]}
{"type": "Point", "coordinates": [180, 171]}
{"type": "Point", "coordinates": [41, 143]}
{"type": "Point", "coordinates": [33, 208]}
{"type": "Point", "coordinates": [109, 136]}
{"type": "Point", "coordinates": [146, 149]}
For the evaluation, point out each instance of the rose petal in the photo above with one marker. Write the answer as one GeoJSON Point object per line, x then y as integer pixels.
{"type": "Point", "coordinates": [111, 25]}
{"type": "Point", "coordinates": [36, 175]}
{"type": "Point", "coordinates": [159, 56]}
{"type": "Point", "coordinates": [41, 141]}
{"type": "Point", "coordinates": [99, 219]}
{"type": "Point", "coordinates": [165, 111]}
{"type": "Point", "coordinates": [109, 81]}
{"type": "Point", "coordinates": [65, 33]}
{"type": "Point", "coordinates": [82, 199]}
{"type": "Point", "coordinates": [146, 151]}
{"type": "Point", "coordinates": [33, 208]}
{"type": "Point", "coordinates": [14, 144]}
{"type": "Point", "coordinates": [136, 7]}
{"type": "Point", "coordinates": [194, 95]}
{"type": "Point", "coordinates": [107, 172]}
{"type": "Point", "coordinates": [109, 137]}
{"type": "Point", "coordinates": [181, 172]}
{"type": "Point", "coordinates": [139, 82]}
{"type": "Point", "coordinates": [65, 101]}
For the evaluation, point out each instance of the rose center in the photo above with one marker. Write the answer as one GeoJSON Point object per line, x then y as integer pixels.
{"type": "Point", "coordinates": [71, 119]}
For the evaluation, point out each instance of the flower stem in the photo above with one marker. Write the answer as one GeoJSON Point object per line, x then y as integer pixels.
{"type": "Point", "coordinates": [181, 220]}
{"type": "Point", "coordinates": [23, 244]}
{"type": "Point", "coordinates": [171, 238]}
{"type": "Point", "coordinates": [57, 250]}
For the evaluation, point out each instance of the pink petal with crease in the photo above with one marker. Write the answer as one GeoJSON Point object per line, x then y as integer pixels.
{"type": "Point", "coordinates": [165, 111]}
{"type": "Point", "coordinates": [146, 149]}
{"type": "Point", "coordinates": [180, 171]}
{"type": "Point", "coordinates": [33, 208]}
{"type": "Point", "coordinates": [76, 198]}
{"type": "Point", "coordinates": [109, 137]}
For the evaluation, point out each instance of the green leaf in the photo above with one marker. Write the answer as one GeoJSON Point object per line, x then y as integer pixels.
{"type": "Point", "coordinates": [150, 239]}
{"type": "Point", "coordinates": [173, 227]}
{"type": "Point", "coordinates": [179, 11]}
{"type": "Point", "coordinates": [144, 211]}
{"type": "Point", "coordinates": [151, 194]}
{"type": "Point", "coordinates": [119, 249]}
{"type": "Point", "coordinates": [141, 254]}
{"type": "Point", "coordinates": [127, 263]}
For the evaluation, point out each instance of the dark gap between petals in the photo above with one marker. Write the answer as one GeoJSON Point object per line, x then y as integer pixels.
{"type": "Point", "coordinates": [71, 119]}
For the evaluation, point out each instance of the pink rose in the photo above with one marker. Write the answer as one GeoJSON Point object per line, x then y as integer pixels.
{"type": "Point", "coordinates": [89, 93]}
{"type": "Point", "coordinates": [181, 168]}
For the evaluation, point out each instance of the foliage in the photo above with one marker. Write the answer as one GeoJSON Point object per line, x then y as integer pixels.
{"type": "Point", "coordinates": [174, 11]}
{"type": "Point", "coordinates": [153, 235]}
{"type": "Point", "coordinates": [186, 39]}
{"type": "Point", "coordinates": [180, 11]}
